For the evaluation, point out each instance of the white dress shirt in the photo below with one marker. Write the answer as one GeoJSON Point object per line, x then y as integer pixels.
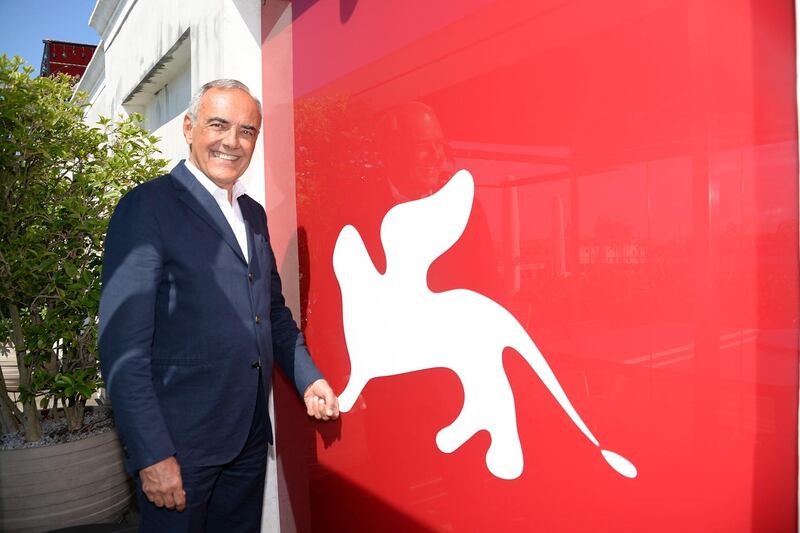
{"type": "Point", "coordinates": [232, 211]}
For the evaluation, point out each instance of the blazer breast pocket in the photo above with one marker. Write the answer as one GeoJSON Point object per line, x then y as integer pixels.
{"type": "Point", "coordinates": [263, 254]}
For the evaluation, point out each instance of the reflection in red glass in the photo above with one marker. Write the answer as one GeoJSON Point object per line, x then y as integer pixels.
{"type": "Point", "coordinates": [635, 210]}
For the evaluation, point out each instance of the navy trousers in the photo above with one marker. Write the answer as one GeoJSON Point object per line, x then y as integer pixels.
{"type": "Point", "coordinates": [226, 498]}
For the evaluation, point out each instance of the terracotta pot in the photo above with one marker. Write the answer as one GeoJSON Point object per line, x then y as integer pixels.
{"type": "Point", "coordinates": [50, 487]}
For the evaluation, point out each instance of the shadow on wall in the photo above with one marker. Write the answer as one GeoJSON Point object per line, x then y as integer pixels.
{"type": "Point", "coordinates": [346, 8]}
{"type": "Point", "coordinates": [327, 516]}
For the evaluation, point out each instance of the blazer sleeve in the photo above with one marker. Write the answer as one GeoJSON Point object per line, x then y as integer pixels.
{"type": "Point", "coordinates": [288, 343]}
{"type": "Point", "coordinates": [132, 266]}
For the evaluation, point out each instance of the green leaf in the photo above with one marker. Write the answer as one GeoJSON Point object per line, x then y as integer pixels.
{"type": "Point", "coordinates": [70, 269]}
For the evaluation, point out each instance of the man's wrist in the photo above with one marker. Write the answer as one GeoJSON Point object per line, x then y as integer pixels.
{"type": "Point", "coordinates": [311, 386]}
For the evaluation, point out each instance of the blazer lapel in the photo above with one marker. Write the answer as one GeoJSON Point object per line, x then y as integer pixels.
{"type": "Point", "coordinates": [203, 204]}
{"type": "Point", "coordinates": [252, 223]}
{"type": "Point", "coordinates": [248, 226]}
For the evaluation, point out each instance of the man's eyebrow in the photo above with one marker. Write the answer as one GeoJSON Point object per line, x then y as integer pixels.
{"type": "Point", "coordinates": [248, 127]}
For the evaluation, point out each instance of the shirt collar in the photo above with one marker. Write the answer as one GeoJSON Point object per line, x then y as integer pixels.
{"type": "Point", "coordinates": [213, 189]}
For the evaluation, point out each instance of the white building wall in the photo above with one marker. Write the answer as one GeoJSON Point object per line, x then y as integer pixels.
{"type": "Point", "coordinates": [143, 65]}
{"type": "Point", "coordinates": [224, 41]}
{"type": "Point", "coordinates": [170, 101]}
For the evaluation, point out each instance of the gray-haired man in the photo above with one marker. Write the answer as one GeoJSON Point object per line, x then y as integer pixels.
{"type": "Point", "coordinates": [191, 318]}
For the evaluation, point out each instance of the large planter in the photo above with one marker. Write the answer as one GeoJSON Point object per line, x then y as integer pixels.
{"type": "Point", "coordinates": [50, 487]}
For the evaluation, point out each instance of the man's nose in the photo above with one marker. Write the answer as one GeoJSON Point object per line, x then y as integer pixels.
{"type": "Point", "coordinates": [438, 152]}
{"type": "Point", "coordinates": [432, 152]}
{"type": "Point", "coordinates": [231, 138]}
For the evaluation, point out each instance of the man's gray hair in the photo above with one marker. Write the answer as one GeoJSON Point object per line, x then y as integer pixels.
{"type": "Point", "coordinates": [223, 83]}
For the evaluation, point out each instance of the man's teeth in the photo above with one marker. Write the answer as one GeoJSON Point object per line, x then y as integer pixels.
{"type": "Point", "coordinates": [226, 157]}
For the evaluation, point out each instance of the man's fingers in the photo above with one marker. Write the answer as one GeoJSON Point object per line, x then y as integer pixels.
{"type": "Point", "coordinates": [180, 500]}
{"type": "Point", "coordinates": [310, 405]}
{"type": "Point", "coordinates": [177, 496]}
{"type": "Point", "coordinates": [315, 406]}
{"type": "Point", "coordinates": [158, 500]}
{"type": "Point", "coordinates": [331, 404]}
{"type": "Point", "coordinates": [325, 404]}
{"type": "Point", "coordinates": [169, 501]}
{"type": "Point", "coordinates": [335, 408]}
{"type": "Point", "coordinates": [322, 409]}
{"type": "Point", "coordinates": [321, 402]}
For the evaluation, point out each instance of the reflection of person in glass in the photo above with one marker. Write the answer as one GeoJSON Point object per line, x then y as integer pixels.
{"type": "Point", "coordinates": [418, 161]}
{"type": "Point", "coordinates": [414, 151]}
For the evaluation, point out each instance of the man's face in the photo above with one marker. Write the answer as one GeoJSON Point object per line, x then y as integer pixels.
{"type": "Point", "coordinates": [414, 149]}
{"type": "Point", "coordinates": [224, 135]}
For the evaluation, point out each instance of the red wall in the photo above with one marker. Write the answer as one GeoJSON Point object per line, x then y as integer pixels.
{"type": "Point", "coordinates": [635, 210]}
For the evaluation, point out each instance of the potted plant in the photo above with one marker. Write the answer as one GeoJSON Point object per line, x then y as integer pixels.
{"type": "Point", "coordinates": [60, 179]}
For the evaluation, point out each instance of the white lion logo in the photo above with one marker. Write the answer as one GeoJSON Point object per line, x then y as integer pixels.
{"type": "Point", "coordinates": [394, 324]}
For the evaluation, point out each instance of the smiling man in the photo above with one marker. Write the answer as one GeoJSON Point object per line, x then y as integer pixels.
{"type": "Point", "coordinates": [191, 319]}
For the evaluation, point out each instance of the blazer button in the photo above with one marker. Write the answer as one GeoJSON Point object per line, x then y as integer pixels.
{"type": "Point", "coordinates": [258, 319]}
{"type": "Point", "coordinates": [250, 277]}
{"type": "Point", "coordinates": [256, 364]}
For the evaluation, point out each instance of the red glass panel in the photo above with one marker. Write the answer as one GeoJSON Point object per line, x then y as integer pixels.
{"type": "Point", "coordinates": [635, 211]}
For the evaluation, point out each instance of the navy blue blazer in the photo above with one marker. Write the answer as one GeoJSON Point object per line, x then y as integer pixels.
{"type": "Point", "coordinates": [186, 324]}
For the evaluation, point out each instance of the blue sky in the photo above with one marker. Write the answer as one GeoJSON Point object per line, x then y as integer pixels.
{"type": "Point", "coordinates": [25, 23]}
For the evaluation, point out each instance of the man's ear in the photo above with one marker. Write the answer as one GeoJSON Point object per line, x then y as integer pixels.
{"type": "Point", "coordinates": [187, 130]}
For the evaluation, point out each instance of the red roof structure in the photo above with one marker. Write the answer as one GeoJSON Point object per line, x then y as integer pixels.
{"type": "Point", "coordinates": [66, 57]}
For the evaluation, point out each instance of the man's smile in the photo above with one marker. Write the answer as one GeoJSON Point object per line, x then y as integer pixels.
{"type": "Point", "coordinates": [226, 157]}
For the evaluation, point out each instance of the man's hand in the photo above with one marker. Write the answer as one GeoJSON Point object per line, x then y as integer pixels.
{"type": "Point", "coordinates": [162, 484]}
{"type": "Point", "coordinates": [321, 402]}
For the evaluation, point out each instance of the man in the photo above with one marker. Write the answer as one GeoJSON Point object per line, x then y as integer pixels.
{"type": "Point", "coordinates": [191, 318]}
